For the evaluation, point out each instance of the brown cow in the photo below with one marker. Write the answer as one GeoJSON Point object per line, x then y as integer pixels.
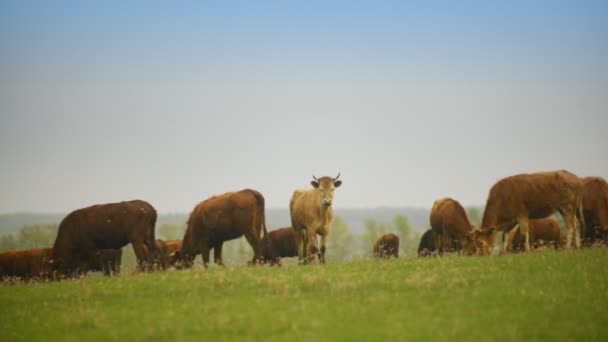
{"type": "Point", "coordinates": [311, 214]}
{"type": "Point", "coordinates": [26, 263]}
{"type": "Point", "coordinates": [449, 222]}
{"type": "Point", "coordinates": [168, 253]}
{"type": "Point", "coordinates": [222, 218]}
{"type": "Point", "coordinates": [517, 199]}
{"type": "Point", "coordinates": [280, 243]}
{"type": "Point", "coordinates": [387, 246]}
{"type": "Point", "coordinates": [542, 232]}
{"type": "Point", "coordinates": [107, 261]}
{"type": "Point", "coordinates": [595, 210]}
{"type": "Point", "coordinates": [427, 244]}
{"type": "Point", "coordinates": [104, 226]}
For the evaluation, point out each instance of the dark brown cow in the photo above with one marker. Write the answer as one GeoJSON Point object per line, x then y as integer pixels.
{"type": "Point", "coordinates": [517, 199]}
{"type": "Point", "coordinates": [223, 218]}
{"type": "Point", "coordinates": [427, 244]}
{"type": "Point", "coordinates": [542, 232]}
{"type": "Point", "coordinates": [280, 243]}
{"type": "Point", "coordinates": [595, 210]}
{"type": "Point", "coordinates": [311, 214]}
{"type": "Point", "coordinates": [449, 222]}
{"type": "Point", "coordinates": [25, 263]}
{"type": "Point", "coordinates": [168, 253]}
{"type": "Point", "coordinates": [387, 246]}
{"type": "Point", "coordinates": [104, 226]}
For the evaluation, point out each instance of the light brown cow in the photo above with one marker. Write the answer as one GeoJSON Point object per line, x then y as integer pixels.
{"type": "Point", "coordinates": [595, 210]}
{"type": "Point", "coordinates": [168, 253]}
{"type": "Point", "coordinates": [387, 246]}
{"type": "Point", "coordinates": [25, 263]}
{"type": "Point", "coordinates": [449, 223]}
{"type": "Point", "coordinates": [517, 199]}
{"type": "Point", "coordinates": [311, 214]}
{"type": "Point", "coordinates": [542, 232]}
{"type": "Point", "coordinates": [223, 218]}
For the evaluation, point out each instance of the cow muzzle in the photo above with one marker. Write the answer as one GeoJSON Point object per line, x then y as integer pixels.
{"type": "Point", "coordinates": [327, 203]}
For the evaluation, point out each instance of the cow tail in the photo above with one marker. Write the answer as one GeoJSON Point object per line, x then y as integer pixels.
{"type": "Point", "coordinates": [580, 217]}
{"type": "Point", "coordinates": [262, 214]}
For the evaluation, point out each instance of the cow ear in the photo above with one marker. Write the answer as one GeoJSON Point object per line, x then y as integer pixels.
{"type": "Point", "coordinates": [337, 183]}
{"type": "Point", "coordinates": [315, 184]}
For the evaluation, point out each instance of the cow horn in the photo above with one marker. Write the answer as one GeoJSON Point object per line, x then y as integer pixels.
{"type": "Point", "coordinates": [338, 176]}
{"type": "Point", "coordinates": [313, 177]}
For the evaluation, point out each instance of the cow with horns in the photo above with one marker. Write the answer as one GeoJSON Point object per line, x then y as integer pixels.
{"type": "Point", "coordinates": [311, 214]}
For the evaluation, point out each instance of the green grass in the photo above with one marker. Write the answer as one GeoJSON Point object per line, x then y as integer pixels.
{"type": "Point", "coordinates": [539, 296]}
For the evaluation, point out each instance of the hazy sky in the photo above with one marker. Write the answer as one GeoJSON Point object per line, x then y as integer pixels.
{"type": "Point", "coordinates": [172, 102]}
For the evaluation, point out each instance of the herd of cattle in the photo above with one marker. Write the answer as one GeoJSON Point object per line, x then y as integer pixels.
{"type": "Point", "coordinates": [520, 206]}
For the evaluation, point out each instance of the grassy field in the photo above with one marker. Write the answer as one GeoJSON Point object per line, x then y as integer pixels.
{"type": "Point", "coordinates": [539, 296]}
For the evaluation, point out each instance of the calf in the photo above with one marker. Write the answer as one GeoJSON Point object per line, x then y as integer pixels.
{"type": "Point", "coordinates": [280, 243]}
{"type": "Point", "coordinates": [387, 246]}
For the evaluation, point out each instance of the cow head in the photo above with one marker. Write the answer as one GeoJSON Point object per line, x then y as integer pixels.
{"type": "Point", "coordinates": [325, 187]}
{"type": "Point", "coordinates": [483, 240]}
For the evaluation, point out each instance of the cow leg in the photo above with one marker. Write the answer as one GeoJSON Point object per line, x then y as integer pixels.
{"type": "Point", "coordinates": [438, 237]}
{"type": "Point", "coordinates": [255, 244]}
{"type": "Point", "coordinates": [313, 249]}
{"type": "Point", "coordinates": [446, 243]}
{"type": "Point", "coordinates": [141, 252]}
{"type": "Point", "coordinates": [525, 231]}
{"type": "Point", "coordinates": [324, 239]}
{"type": "Point", "coordinates": [217, 254]}
{"type": "Point", "coordinates": [573, 228]}
{"type": "Point", "coordinates": [302, 245]}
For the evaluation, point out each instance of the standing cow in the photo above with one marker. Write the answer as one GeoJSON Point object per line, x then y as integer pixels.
{"type": "Point", "coordinates": [311, 214]}
{"type": "Point", "coordinates": [595, 210]}
{"type": "Point", "coordinates": [387, 246]}
{"type": "Point", "coordinates": [449, 223]}
{"type": "Point", "coordinates": [517, 199]}
{"type": "Point", "coordinates": [542, 232]}
{"type": "Point", "coordinates": [280, 243]}
{"type": "Point", "coordinates": [223, 218]}
{"type": "Point", "coordinates": [25, 264]}
{"type": "Point", "coordinates": [104, 226]}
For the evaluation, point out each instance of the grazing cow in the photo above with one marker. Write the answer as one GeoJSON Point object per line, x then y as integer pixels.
{"type": "Point", "coordinates": [542, 232]}
{"type": "Point", "coordinates": [595, 210]}
{"type": "Point", "coordinates": [104, 226]}
{"type": "Point", "coordinates": [449, 222]}
{"type": "Point", "coordinates": [427, 244]}
{"type": "Point", "coordinates": [311, 214]}
{"type": "Point", "coordinates": [387, 246]}
{"type": "Point", "coordinates": [223, 218]}
{"type": "Point", "coordinates": [168, 253]}
{"type": "Point", "coordinates": [517, 199]}
{"type": "Point", "coordinates": [25, 264]}
{"type": "Point", "coordinates": [280, 243]}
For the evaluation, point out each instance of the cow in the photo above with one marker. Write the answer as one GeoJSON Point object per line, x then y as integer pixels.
{"type": "Point", "coordinates": [105, 226]}
{"type": "Point", "coordinates": [595, 210]}
{"type": "Point", "coordinates": [387, 246]}
{"type": "Point", "coordinates": [280, 243]}
{"type": "Point", "coordinates": [26, 263]}
{"type": "Point", "coordinates": [223, 218]}
{"type": "Point", "coordinates": [168, 253]}
{"type": "Point", "coordinates": [542, 232]}
{"type": "Point", "coordinates": [311, 214]}
{"type": "Point", "coordinates": [427, 244]}
{"type": "Point", "coordinates": [449, 222]}
{"type": "Point", "coordinates": [517, 199]}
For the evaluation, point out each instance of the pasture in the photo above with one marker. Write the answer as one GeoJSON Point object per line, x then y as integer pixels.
{"type": "Point", "coordinates": [554, 295]}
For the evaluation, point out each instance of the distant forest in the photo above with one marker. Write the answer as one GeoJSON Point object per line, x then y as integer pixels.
{"type": "Point", "coordinates": [352, 236]}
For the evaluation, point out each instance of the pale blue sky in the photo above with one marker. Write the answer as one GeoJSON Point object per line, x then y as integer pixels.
{"type": "Point", "coordinates": [172, 102]}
